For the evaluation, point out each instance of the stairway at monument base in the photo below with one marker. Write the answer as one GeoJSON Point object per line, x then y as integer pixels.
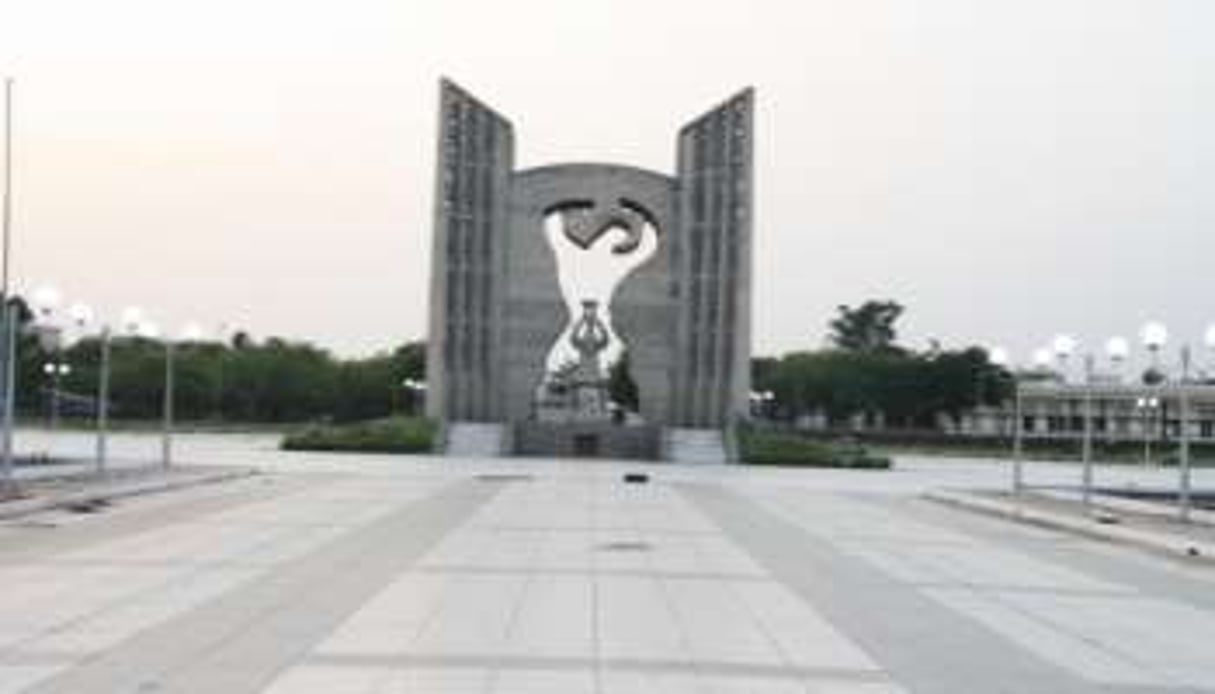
{"type": "Point", "coordinates": [695, 446]}
{"type": "Point", "coordinates": [475, 439]}
{"type": "Point", "coordinates": [587, 440]}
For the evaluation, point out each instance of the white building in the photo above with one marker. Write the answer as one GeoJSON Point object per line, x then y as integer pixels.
{"type": "Point", "coordinates": [1052, 410]}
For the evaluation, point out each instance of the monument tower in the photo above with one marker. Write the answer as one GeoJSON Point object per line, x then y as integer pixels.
{"type": "Point", "coordinates": [684, 314]}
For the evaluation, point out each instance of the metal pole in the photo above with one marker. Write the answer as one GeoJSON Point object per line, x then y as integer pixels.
{"type": "Point", "coordinates": [103, 400]}
{"type": "Point", "coordinates": [8, 181]}
{"type": "Point", "coordinates": [1183, 405]}
{"type": "Point", "coordinates": [6, 455]}
{"type": "Point", "coordinates": [10, 346]}
{"type": "Point", "coordinates": [1086, 453]}
{"type": "Point", "coordinates": [1018, 480]}
{"type": "Point", "coordinates": [56, 376]}
{"type": "Point", "coordinates": [166, 440]}
{"type": "Point", "coordinates": [1147, 444]}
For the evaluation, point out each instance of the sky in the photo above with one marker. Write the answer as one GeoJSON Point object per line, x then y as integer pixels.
{"type": "Point", "coordinates": [1008, 170]}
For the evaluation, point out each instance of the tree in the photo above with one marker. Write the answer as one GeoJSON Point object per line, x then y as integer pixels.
{"type": "Point", "coordinates": [622, 389]}
{"type": "Point", "coordinates": [869, 328]}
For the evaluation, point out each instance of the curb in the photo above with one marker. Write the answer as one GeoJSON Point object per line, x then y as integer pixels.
{"type": "Point", "coordinates": [1176, 546]}
{"type": "Point", "coordinates": [24, 507]}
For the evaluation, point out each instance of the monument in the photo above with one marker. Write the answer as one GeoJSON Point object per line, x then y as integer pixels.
{"type": "Point", "coordinates": [497, 306]}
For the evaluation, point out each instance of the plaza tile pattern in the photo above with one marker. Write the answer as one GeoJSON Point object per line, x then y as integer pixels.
{"type": "Point", "coordinates": [404, 577]}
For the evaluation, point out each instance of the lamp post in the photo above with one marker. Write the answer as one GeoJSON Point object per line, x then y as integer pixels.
{"type": "Point", "coordinates": [1117, 349]}
{"type": "Point", "coordinates": [999, 356]}
{"type": "Point", "coordinates": [1086, 450]}
{"type": "Point", "coordinates": [1147, 404]}
{"type": "Point", "coordinates": [1208, 339]}
{"type": "Point", "coordinates": [1154, 337]}
{"type": "Point", "coordinates": [1183, 415]}
{"type": "Point", "coordinates": [149, 331]}
{"type": "Point", "coordinates": [103, 398]}
{"type": "Point", "coordinates": [55, 371]}
{"type": "Point", "coordinates": [191, 332]}
{"type": "Point", "coordinates": [45, 303]}
{"type": "Point", "coordinates": [417, 391]}
{"type": "Point", "coordinates": [1063, 347]}
{"type": "Point", "coordinates": [80, 318]}
{"type": "Point", "coordinates": [131, 319]}
{"type": "Point", "coordinates": [8, 314]}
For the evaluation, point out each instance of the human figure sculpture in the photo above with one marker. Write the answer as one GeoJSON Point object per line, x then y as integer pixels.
{"type": "Point", "coordinates": [589, 388]}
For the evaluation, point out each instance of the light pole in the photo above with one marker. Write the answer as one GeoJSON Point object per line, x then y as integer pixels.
{"type": "Point", "coordinates": [1183, 416]}
{"type": "Point", "coordinates": [45, 304]}
{"type": "Point", "coordinates": [1208, 339]}
{"type": "Point", "coordinates": [999, 357]}
{"type": "Point", "coordinates": [1147, 405]}
{"type": "Point", "coordinates": [55, 371]}
{"type": "Point", "coordinates": [190, 333]}
{"type": "Point", "coordinates": [417, 391]}
{"type": "Point", "coordinates": [7, 312]}
{"type": "Point", "coordinates": [131, 319]}
{"type": "Point", "coordinates": [103, 398]}
{"type": "Point", "coordinates": [1117, 349]}
{"type": "Point", "coordinates": [1063, 347]}
{"type": "Point", "coordinates": [1086, 450]}
{"type": "Point", "coordinates": [80, 317]}
{"type": "Point", "coordinates": [1154, 336]}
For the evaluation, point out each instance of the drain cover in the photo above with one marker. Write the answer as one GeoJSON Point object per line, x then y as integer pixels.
{"type": "Point", "coordinates": [505, 477]}
{"type": "Point", "coordinates": [626, 546]}
{"type": "Point", "coordinates": [87, 506]}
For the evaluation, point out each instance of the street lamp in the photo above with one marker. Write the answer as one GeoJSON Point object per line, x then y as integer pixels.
{"type": "Point", "coordinates": [1147, 406]}
{"type": "Point", "coordinates": [45, 303]}
{"type": "Point", "coordinates": [1063, 347]}
{"type": "Point", "coordinates": [998, 356]}
{"type": "Point", "coordinates": [416, 390]}
{"type": "Point", "coordinates": [1086, 451]}
{"type": "Point", "coordinates": [45, 300]}
{"type": "Point", "coordinates": [1042, 358]}
{"type": "Point", "coordinates": [55, 370]}
{"type": "Point", "coordinates": [1117, 349]}
{"type": "Point", "coordinates": [1154, 337]}
{"type": "Point", "coordinates": [191, 332]}
{"type": "Point", "coordinates": [1208, 339]}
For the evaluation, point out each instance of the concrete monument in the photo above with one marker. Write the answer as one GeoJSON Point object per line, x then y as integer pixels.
{"type": "Point", "coordinates": [496, 301]}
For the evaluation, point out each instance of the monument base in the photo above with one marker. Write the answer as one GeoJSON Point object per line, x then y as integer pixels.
{"type": "Point", "coordinates": [587, 440]}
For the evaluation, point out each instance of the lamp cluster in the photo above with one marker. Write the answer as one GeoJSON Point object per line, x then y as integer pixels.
{"type": "Point", "coordinates": [1153, 336]}
{"type": "Point", "coordinates": [51, 324]}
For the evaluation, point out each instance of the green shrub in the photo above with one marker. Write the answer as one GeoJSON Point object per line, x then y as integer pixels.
{"type": "Point", "coordinates": [772, 448]}
{"type": "Point", "coordinates": [394, 435]}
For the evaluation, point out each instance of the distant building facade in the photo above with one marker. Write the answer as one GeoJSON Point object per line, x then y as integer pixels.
{"type": "Point", "coordinates": [1051, 410]}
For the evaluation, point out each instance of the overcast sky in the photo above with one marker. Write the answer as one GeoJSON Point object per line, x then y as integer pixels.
{"type": "Point", "coordinates": [1008, 169]}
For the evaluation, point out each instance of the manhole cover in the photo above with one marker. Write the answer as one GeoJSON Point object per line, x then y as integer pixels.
{"type": "Point", "coordinates": [87, 506]}
{"type": "Point", "coordinates": [505, 477]}
{"type": "Point", "coordinates": [625, 546]}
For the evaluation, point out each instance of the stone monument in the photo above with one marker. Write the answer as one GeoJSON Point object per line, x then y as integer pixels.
{"type": "Point", "coordinates": [497, 308]}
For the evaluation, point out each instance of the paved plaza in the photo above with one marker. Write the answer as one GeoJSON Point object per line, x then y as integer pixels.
{"type": "Point", "coordinates": [349, 574]}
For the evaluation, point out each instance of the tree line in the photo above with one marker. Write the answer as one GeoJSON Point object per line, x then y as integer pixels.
{"type": "Point", "coordinates": [864, 371]}
{"type": "Point", "coordinates": [240, 380]}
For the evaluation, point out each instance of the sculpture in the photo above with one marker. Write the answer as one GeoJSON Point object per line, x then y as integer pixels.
{"type": "Point", "coordinates": [497, 305]}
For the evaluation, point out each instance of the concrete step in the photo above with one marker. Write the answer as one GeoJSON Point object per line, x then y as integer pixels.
{"type": "Point", "coordinates": [695, 446]}
{"type": "Point", "coordinates": [475, 439]}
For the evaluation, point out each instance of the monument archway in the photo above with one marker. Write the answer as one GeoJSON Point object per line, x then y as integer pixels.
{"type": "Point", "coordinates": [496, 300]}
